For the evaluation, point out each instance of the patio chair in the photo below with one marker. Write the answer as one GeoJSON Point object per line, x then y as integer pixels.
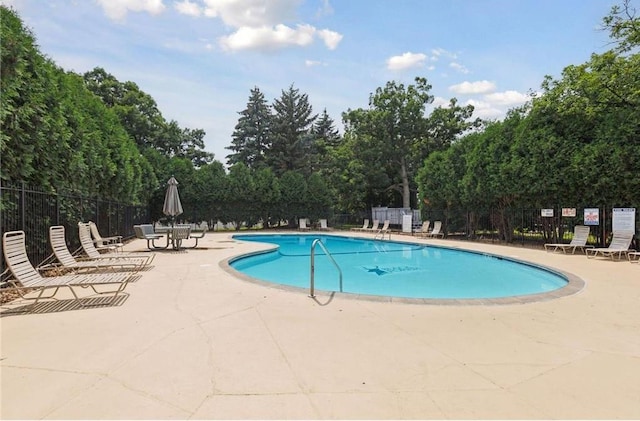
{"type": "Point", "coordinates": [179, 233]}
{"type": "Point", "coordinates": [424, 229]}
{"type": "Point", "coordinates": [197, 235]}
{"type": "Point", "coordinates": [302, 225]}
{"type": "Point", "coordinates": [146, 232]}
{"type": "Point", "coordinates": [27, 279]}
{"type": "Point", "coordinates": [619, 245]}
{"type": "Point", "coordinates": [84, 232]}
{"type": "Point", "coordinates": [105, 243]}
{"type": "Point", "coordinates": [579, 241]}
{"type": "Point", "coordinates": [383, 231]}
{"type": "Point", "coordinates": [436, 231]}
{"type": "Point", "coordinates": [323, 224]}
{"type": "Point", "coordinates": [365, 225]}
{"type": "Point", "coordinates": [66, 261]}
{"type": "Point", "coordinates": [374, 226]}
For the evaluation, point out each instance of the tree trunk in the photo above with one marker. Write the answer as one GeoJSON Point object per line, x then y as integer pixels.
{"type": "Point", "coordinates": [406, 193]}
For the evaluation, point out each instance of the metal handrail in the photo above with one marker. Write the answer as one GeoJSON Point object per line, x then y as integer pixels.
{"type": "Point", "coordinates": [313, 253]}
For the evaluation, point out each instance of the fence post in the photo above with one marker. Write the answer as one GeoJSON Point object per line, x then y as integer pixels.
{"type": "Point", "coordinates": [22, 206]}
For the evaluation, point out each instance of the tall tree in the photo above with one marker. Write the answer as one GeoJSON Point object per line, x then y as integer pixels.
{"type": "Point", "coordinates": [326, 137]}
{"type": "Point", "coordinates": [269, 196]}
{"type": "Point", "coordinates": [624, 26]}
{"type": "Point", "coordinates": [393, 125]}
{"type": "Point", "coordinates": [139, 114]}
{"type": "Point", "coordinates": [137, 110]}
{"type": "Point", "coordinates": [291, 132]}
{"type": "Point", "coordinates": [252, 134]}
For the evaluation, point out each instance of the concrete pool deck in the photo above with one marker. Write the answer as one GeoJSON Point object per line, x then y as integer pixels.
{"type": "Point", "coordinates": [191, 341]}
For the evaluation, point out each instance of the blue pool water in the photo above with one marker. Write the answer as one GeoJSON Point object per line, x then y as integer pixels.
{"type": "Point", "coordinates": [393, 269]}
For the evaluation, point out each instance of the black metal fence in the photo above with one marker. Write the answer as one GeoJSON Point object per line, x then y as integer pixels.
{"type": "Point", "coordinates": [33, 211]}
{"type": "Point", "coordinates": [526, 227]}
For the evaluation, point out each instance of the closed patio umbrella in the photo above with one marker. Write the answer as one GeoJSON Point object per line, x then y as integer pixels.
{"type": "Point", "coordinates": [172, 206]}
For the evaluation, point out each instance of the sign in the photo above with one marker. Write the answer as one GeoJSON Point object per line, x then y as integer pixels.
{"type": "Point", "coordinates": [569, 212]}
{"type": "Point", "coordinates": [624, 220]}
{"type": "Point", "coordinates": [592, 216]}
{"type": "Point", "coordinates": [406, 223]}
{"type": "Point", "coordinates": [546, 213]}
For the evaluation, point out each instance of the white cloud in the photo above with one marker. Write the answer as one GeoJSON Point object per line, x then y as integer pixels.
{"type": "Point", "coordinates": [485, 110]}
{"type": "Point", "coordinates": [406, 61]}
{"type": "Point", "coordinates": [268, 38]}
{"type": "Point", "coordinates": [507, 98]}
{"type": "Point", "coordinates": [118, 9]}
{"type": "Point", "coordinates": [252, 13]}
{"type": "Point", "coordinates": [259, 24]}
{"type": "Point", "coordinates": [469, 88]}
{"type": "Point", "coordinates": [186, 7]}
{"type": "Point", "coordinates": [331, 39]}
{"type": "Point", "coordinates": [440, 102]}
{"type": "Point", "coordinates": [313, 63]}
{"type": "Point", "coordinates": [437, 52]}
{"type": "Point", "coordinates": [459, 67]}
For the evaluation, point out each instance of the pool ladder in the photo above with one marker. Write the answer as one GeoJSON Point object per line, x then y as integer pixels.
{"type": "Point", "coordinates": [313, 270]}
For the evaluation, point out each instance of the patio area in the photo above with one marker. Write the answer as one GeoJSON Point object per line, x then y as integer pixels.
{"type": "Point", "coordinates": [191, 341]}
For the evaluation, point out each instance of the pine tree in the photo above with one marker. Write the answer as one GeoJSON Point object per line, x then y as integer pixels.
{"type": "Point", "coordinates": [292, 134]}
{"type": "Point", "coordinates": [252, 134]}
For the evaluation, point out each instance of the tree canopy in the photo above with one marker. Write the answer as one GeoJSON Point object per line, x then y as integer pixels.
{"type": "Point", "coordinates": [575, 143]}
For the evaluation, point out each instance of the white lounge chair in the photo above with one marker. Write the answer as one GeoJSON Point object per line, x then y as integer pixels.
{"type": "Point", "coordinates": [323, 224]}
{"type": "Point", "coordinates": [27, 279]}
{"type": "Point", "coordinates": [383, 231]}
{"type": "Point", "coordinates": [66, 261]}
{"type": "Point", "coordinates": [374, 226]}
{"type": "Point", "coordinates": [365, 226]}
{"type": "Point", "coordinates": [619, 245]}
{"type": "Point", "coordinates": [84, 232]}
{"type": "Point", "coordinates": [579, 241]}
{"type": "Point", "coordinates": [436, 231]}
{"type": "Point", "coordinates": [302, 224]}
{"type": "Point", "coordinates": [105, 243]}
{"type": "Point", "coordinates": [424, 229]}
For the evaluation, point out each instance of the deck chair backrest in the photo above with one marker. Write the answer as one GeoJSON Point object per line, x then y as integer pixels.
{"type": "Point", "coordinates": [437, 226]}
{"type": "Point", "coordinates": [59, 245]}
{"type": "Point", "coordinates": [425, 226]}
{"type": "Point", "coordinates": [302, 223]}
{"type": "Point", "coordinates": [95, 233]}
{"type": "Point", "coordinates": [621, 240]}
{"type": "Point", "coordinates": [84, 232]}
{"type": "Point", "coordinates": [323, 224]}
{"type": "Point", "coordinates": [15, 254]}
{"type": "Point", "coordinates": [147, 229]}
{"type": "Point", "coordinates": [580, 235]}
{"type": "Point", "coordinates": [365, 224]}
{"type": "Point", "coordinates": [181, 232]}
{"type": "Point", "coordinates": [376, 224]}
{"type": "Point", "coordinates": [385, 226]}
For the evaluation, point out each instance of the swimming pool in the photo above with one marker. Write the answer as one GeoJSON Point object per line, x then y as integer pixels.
{"type": "Point", "coordinates": [394, 269]}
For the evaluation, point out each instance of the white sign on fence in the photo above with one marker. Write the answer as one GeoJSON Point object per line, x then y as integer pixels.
{"type": "Point", "coordinates": [624, 220]}
{"type": "Point", "coordinates": [546, 213]}
{"type": "Point", "coordinates": [592, 216]}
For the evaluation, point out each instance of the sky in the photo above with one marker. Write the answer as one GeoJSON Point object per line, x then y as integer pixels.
{"type": "Point", "coordinates": [199, 59]}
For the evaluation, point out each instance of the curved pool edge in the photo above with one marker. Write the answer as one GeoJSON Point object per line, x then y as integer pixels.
{"type": "Point", "coordinates": [575, 284]}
